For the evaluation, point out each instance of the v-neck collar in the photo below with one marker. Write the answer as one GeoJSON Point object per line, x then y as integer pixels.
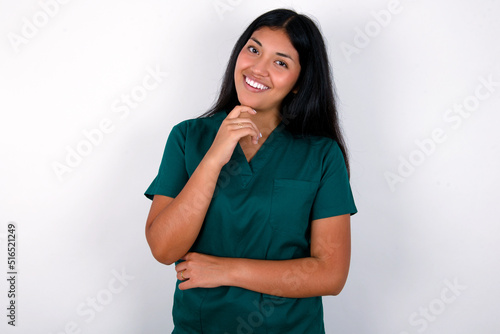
{"type": "Point", "coordinates": [259, 160]}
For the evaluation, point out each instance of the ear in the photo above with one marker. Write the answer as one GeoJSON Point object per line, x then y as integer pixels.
{"type": "Point", "coordinates": [295, 90]}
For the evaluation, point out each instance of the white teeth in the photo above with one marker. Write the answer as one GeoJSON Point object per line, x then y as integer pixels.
{"type": "Point", "coordinates": [255, 84]}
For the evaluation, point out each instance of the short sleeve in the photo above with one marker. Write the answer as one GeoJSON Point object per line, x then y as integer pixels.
{"type": "Point", "coordinates": [334, 196]}
{"type": "Point", "coordinates": [172, 175]}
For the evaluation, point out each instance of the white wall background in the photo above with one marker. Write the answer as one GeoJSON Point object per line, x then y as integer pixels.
{"type": "Point", "coordinates": [435, 226]}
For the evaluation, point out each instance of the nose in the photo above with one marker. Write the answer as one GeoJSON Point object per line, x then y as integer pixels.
{"type": "Point", "coordinates": [259, 68]}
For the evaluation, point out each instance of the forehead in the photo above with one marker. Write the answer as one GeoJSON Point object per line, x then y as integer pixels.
{"type": "Point", "coordinates": [275, 40]}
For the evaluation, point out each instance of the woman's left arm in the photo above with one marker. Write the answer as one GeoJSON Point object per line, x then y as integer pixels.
{"type": "Point", "coordinates": [324, 273]}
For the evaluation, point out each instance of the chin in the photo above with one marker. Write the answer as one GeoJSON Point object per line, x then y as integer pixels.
{"type": "Point", "coordinates": [245, 101]}
{"type": "Point", "coordinates": [252, 100]}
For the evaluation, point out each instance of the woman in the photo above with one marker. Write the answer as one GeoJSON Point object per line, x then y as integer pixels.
{"type": "Point", "coordinates": [252, 201]}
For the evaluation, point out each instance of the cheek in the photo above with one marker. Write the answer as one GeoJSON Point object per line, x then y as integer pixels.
{"type": "Point", "coordinates": [241, 62]}
{"type": "Point", "coordinates": [236, 67]}
{"type": "Point", "coordinates": [294, 79]}
{"type": "Point", "coordinates": [288, 82]}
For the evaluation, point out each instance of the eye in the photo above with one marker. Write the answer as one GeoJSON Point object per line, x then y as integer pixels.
{"type": "Point", "coordinates": [253, 50]}
{"type": "Point", "coordinates": [281, 63]}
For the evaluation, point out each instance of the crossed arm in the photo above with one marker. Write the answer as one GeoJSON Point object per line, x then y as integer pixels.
{"type": "Point", "coordinates": [324, 273]}
{"type": "Point", "coordinates": [174, 223]}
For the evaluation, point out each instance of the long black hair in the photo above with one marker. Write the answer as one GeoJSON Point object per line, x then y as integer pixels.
{"type": "Point", "coordinates": [312, 109]}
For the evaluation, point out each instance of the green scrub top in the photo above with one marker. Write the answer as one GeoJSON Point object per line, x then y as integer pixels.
{"type": "Point", "coordinates": [261, 209]}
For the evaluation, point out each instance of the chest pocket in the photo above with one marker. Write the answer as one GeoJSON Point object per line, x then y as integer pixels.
{"type": "Point", "coordinates": [291, 204]}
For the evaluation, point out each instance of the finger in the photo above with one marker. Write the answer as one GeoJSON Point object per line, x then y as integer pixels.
{"type": "Point", "coordinates": [186, 285]}
{"type": "Point", "coordinates": [238, 123]}
{"type": "Point", "coordinates": [244, 131]}
{"type": "Point", "coordinates": [236, 112]}
{"type": "Point", "coordinates": [243, 122]}
{"type": "Point", "coordinates": [246, 126]}
{"type": "Point", "coordinates": [180, 267]}
{"type": "Point", "coordinates": [182, 275]}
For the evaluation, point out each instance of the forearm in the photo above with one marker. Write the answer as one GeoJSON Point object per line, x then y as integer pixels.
{"type": "Point", "coordinates": [174, 230]}
{"type": "Point", "coordinates": [297, 278]}
{"type": "Point", "coordinates": [323, 273]}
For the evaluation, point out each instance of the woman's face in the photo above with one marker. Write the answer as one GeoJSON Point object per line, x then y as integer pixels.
{"type": "Point", "coordinates": [266, 70]}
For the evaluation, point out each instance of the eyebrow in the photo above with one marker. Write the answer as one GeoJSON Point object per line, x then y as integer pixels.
{"type": "Point", "coordinates": [278, 53]}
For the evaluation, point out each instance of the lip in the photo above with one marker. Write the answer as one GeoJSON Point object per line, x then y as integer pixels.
{"type": "Point", "coordinates": [253, 89]}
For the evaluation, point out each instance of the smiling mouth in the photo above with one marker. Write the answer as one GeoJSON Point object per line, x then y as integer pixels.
{"type": "Point", "coordinates": [255, 85]}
